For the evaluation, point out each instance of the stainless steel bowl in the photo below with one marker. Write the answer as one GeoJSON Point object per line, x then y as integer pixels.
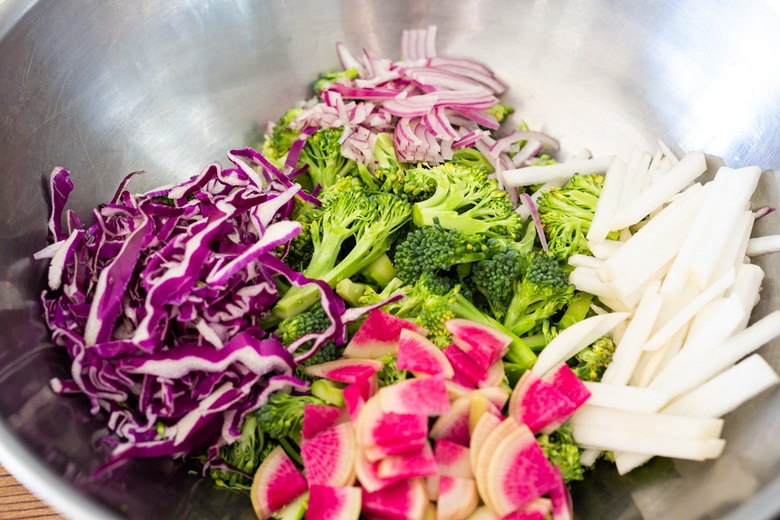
{"type": "Point", "coordinates": [108, 87]}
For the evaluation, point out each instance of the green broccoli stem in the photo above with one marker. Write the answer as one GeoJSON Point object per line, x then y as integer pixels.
{"type": "Point", "coordinates": [351, 291]}
{"type": "Point", "coordinates": [328, 391]}
{"type": "Point", "coordinates": [380, 270]}
{"type": "Point", "coordinates": [577, 310]}
{"type": "Point", "coordinates": [519, 353]}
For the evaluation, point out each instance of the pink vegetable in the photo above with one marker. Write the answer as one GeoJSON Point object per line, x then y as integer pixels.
{"type": "Point", "coordinates": [345, 370]}
{"type": "Point", "coordinates": [277, 483]}
{"type": "Point", "coordinates": [334, 503]}
{"type": "Point", "coordinates": [418, 354]}
{"type": "Point", "coordinates": [379, 335]}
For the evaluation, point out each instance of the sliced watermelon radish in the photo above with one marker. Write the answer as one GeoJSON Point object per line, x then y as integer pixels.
{"type": "Point", "coordinates": [432, 485]}
{"type": "Point", "coordinates": [483, 512]}
{"type": "Point", "coordinates": [457, 498]}
{"type": "Point", "coordinates": [319, 417]}
{"type": "Point", "coordinates": [406, 499]}
{"type": "Point", "coordinates": [537, 509]}
{"type": "Point", "coordinates": [497, 395]}
{"type": "Point", "coordinates": [494, 375]}
{"type": "Point", "coordinates": [467, 371]}
{"type": "Point", "coordinates": [562, 506]}
{"type": "Point", "coordinates": [375, 453]}
{"type": "Point", "coordinates": [329, 458]}
{"type": "Point", "coordinates": [345, 370]}
{"type": "Point", "coordinates": [420, 355]}
{"type": "Point", "coordinates": [485, 456]}
{"type": "Point", "coordinates": [479, 434]}
{"type": "Point", "coordinates": [277, 482]}
{"type": "Point", "coordinates": [452, 459]}
{"type": "Point", "coordinates": [539, 404]}
{"type": "Point", "coordinates": [378, 335]}
{"type": "Point", "coordinates": [358, 393]}
{"type": "Point", "coordinates": [456, 389]}
{"type": "Point", "coordinates": [420, 396]}
{"type": "Point", "coordinates": [367, 471]}
{"type": "Point", "coordinates": [453, 425]}
{"type": "Point", "coordinates": [518, 472]}
{"type": "Point", "coordinates": [334, 502]}
{"type": "Point", "coordinates": [482, 343]}
{"type": "Point", "coordinates": [408, 465]}
{"type": "Point", "coordinates": [378, 428]}
{"type": "Point", "coordinates": [566, 382]}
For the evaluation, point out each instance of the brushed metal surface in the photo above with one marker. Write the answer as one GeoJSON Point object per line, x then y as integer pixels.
{"type": "Point", "coordinates": [108, 87]}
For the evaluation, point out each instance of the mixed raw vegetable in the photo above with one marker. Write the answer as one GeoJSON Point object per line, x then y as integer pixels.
{"type": "Point", "coordinates": [395, 307]}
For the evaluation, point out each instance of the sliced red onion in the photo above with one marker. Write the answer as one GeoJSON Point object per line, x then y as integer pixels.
{"type": "Point", "coordinates": [529, 202]}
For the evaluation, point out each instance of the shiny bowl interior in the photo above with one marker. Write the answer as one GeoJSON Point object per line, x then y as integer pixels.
{"type": "Point", "coordinates": [106, 88]}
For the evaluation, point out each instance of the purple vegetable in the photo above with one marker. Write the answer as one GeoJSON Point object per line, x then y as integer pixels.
{"type": "Point", "coordinates": [160, 304]}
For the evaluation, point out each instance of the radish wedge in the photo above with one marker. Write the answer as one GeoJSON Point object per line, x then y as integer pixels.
{"type": "Point", "coordinates": [483, 512]}
{"type": "Point", "coordinates": [334, 503]}
{"type": "Point", "coordinates": [377, 428]}
{"type": "Point", "coordinates": [538, 404]}
{"type": "Point", "coordinates": [329, 458]}
{"type": "Point", "coordinates": [277, 483]}
{"type": "Point", "coordinates": [406, 499]}
{"type": "Point", "coordinates": [345, 370]}
{"type": "Point", "coordinates": [537, 509]}
{"type": "Point", "coordinates": [518, 472]}
{"type": "Point", "coordinates": [358, 393]}
{"type": "Point", "coordinates": [485, 456]}
{"type": "Point", "coordinates": [408, 465]}
{"type": "Point", "coordinates": [378, 335]}
{"type": "Point", "coordinates": [479, 435]}
{"type": "Point", "coordinates": [423, 396]}
{"type": "Point", "coordinates": [457, 498]}
{"type": "Point", "coordinates": [575, 338]}
{"type": "Point", "coordinates": [420, 355]}
{"type": "Point", "coordinates": [483, 344]}
{"type": "Point", "coordinates": [566, 382]}
{"type": "Point", "coordinates": [318, 418]}
{"type": "Point", "coordinates": [452, 459]}
{"type": "Point", "coordinates": [467, 371]}
{"type": "Point", "coordinates": [366, 472]}
{"type": "Point", "coordinates": [375, 453]}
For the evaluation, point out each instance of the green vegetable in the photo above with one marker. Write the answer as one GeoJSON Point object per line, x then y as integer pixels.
{"type": "Point", "coordinates": [244, 455]}
{"type": "Point", "coordinates": [560, 449]}
{"type": "Point", "coordinates": [313, 319]}
{"type": "Point", "coordinates": [390, 373]}
{"type": "Point", "coordinates": [566, 214]}
{"type": "Point", "coordinates": [589, 364]}
{"type": "Point", "coordinates": [354, 228]}
{"type": "Point", "coordinates": [327, 78]}
{"type": "Point", "coordinates": [277, 143]}
{"type": "Point", "coordinates": [322, 154]}
{"type": "Point", "coordinates": [282, 416]}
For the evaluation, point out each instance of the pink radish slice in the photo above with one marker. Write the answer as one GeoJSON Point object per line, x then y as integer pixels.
{"type": "Point", "coordinates": [467, 371]}
{"type": "Point", "coordinates": [483, 512]}
{"type": "Point", "coordinates": [452, 459]}
{"type": "Point", "coordinates": [277, 482]}
{"type": "Point", "coordinates": [405, 499]}
{"type": "Point", "coordinates": [408, 465]}
{"type": "Point", "coordinates": [345, 370]}
{"type": "Point", "coordinates": [378, 428]}
{"type": "Point", "coordinates": [457, 499]}
{"type": "Point", "coordinates": [538, 404]}
{"type": "Point", "coordinates": [366, 472]}
{"type": "Point", "coordinates": [562, 506]}
{"type": "Point", "coordinates": [379, 335]}
{"type": "Point", "coordinates": [432, 486]}
{"type": "Point", "coordinates": [420, 355]}
{"type": "Point", "coordinates": [485, 456]}
{"type": "Point", "coordinates": [454, 424]}
{"type": "Point", "coordinates": [536, 509]}
{"type": "Point", "coordinates": [375, 453]}
{"type": "Point", "coordinates": [419, 396]}
{"type": "Point", "coordinates": [479, 434]}
{"type": "Point", "coordinates": [494, 375]}
{"type": "Point", "coordinates": [318, 417]}
{"type": "Point", "coordinates": [567, 383]}
{"type": "Point", "coordinates": [358, 393]}
{"type": "Point", "coordinates": [518, 472]}
{"type": "Point", "coordinates": [482, 343]}
{"type": "Point", "coordinates": [329, 458]}
{"type": "Point", "coordinates": [334, 502]}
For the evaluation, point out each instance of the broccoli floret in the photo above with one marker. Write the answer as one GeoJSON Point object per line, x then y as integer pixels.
{"type": "Point", "coordinates": [328, 78]}
{"type": "Point", "coordinates": [436, 250]}
{"type": "Point", "coordinates": [385, 159]}
{"type": "Point", "coordinates": [278, 141]}
{"type": "Point", "coordinates": [560, 450]}
{"type": "Point", "coordinates": [390, 373]}
{"type": "Point", "coordinates": [500, 111]}
{"type": "Point", "coordinates": [322, 154]}
{"type": "Point", "coordinates": [462, 198]}
{"type": "Point", "coordinates": [472, 158]}
{"type": "Point", "coordinates": [543, 290]}
{"type": "Point", "coordinates": [313, 319]}
{"type": "Point", "coordinates": [589, 364]}
{"type": "Point", "coordinates": [355, 228]}
{"type": "Point", "coordinates": [567, 212]}
{"type": "Point", "coordinates": [241, 459]}
{"type": "Point", "coordinates": [282, 416]}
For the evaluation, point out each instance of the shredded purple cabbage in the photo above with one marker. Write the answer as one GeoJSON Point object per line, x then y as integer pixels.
{"type": "Point", "coordinates": [160, 305]}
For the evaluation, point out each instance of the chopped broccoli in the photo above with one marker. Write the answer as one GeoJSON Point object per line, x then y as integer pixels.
{"type": "Point", "coordinates": [560, 450]}
{"type": "Point", "coordinates": [322, 154]}
{"type": "Point", "coordinates": [354, 228]}
{"type": "Point", "coordinates": [500, 111]}
{"type": "Point", "coordinates": [460, 197]}
{"type": "Point", "coordinates": [543, 290]}
{"type": "Point", "coordinates": [472, 158]}
{"type": "Point", "coordinates": [385, 159]}
{"type": "Point", "coordinates": [589, 364]}
{"type": "Point", "coordinates": [390, 373]}
{"type": "Point", "coordinates": [313, 319]}
{"type": "Point", "coordinates": [436, 251]}
{"type": "Point", "coordinates": [278, 141]}
{"type": "Point", "coordinates": [282, 416]}
{"type": "Point", "coordinates": [327, 78]}
{"type": "Point", "coordinates": [242, 458]}
{"type": "Point", "coordinates": [566, 214]}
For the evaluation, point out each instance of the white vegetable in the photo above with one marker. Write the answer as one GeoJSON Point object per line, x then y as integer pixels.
{"type": "Point", "coordinates": [763, 245]}
{"type": "Point", "coordinates": [609, 201]}
{"type": "Point", "coordinates": [574, 338]}
{"type": "Point", "coordinates": [529, 175]}
{"type": "Point", "coordinates": [622, 397]}
{"type": "Point", "coordinates": [678, 426]}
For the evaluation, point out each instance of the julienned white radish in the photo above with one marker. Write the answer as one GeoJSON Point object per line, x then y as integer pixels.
{"type": "Point", "coordinates": [763, 245]}
{"type": "Point", "coordinates": [687, 313]}
{"type": "Point", "coordinates": [624, 397]}
{"type": "Point", "coordinates": [687, 372]}
{"type": "Point", "coordinates": [636, 180]}
{"type": "Point", "coordinates": [673, 182]}
{"type": "Point", "coordinates": [661, 424]}
{"type": "Point", "coordinates": [609, 201]}
{"type": "Point", "coordinates": [719, 319]}
{"type": "Point", "coordinates": [747, 289]}
{"type": "Point", "coordinates": [727, 391]}
{"type": "Point", "coordinates": [575, 338]}
{"type": "Point", "coordinates": [629, 349]}
{"type": "Point", "coordinates": [530, 175]}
